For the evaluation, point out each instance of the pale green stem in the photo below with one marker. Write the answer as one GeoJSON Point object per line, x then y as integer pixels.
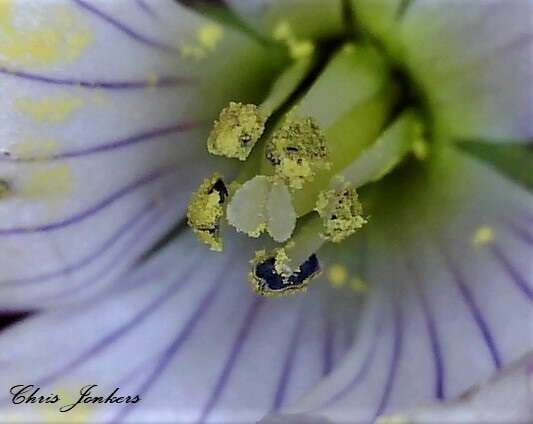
{"type": "Point", "coordinates": [354, 75]}
{"type": "Point", "coordinates": [384, 155]}
{"type": "Point", "coordinates": [286, 84]}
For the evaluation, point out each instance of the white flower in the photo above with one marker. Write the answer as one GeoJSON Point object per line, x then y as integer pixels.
{"type": "Point", "coordinates": [106, 110]}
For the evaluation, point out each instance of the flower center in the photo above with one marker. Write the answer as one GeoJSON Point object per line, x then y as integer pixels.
{"type": "Point", "coordinates": [313, 142]}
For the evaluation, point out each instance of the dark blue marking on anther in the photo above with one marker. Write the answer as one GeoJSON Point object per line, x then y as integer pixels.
{"type": "Point", "coordinates": [221, 189]}
{"type": "Point", "coordinates": [270, 282]}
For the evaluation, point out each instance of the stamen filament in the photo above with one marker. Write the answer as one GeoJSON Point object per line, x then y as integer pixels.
{"type": "Point", "coordinates": [385, 154]}
{"type": "Point", "coordinates": [286, 84]}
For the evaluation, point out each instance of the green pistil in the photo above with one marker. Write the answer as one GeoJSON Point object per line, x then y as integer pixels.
{"type": "Point", "coordinates": [262, 204]}
{"type": "Point", "coordinates": [206, 209]}
{"type": "Point", "coordinates": [297, 151]}
{"type": "Point", "coordinates": [341, 212]}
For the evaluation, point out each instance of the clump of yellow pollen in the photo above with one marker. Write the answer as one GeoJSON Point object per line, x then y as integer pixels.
{"type": "Point", "coordinates": [236, 131]}
{"type": "Point", "coordinates": [206, 209]}
{"type": "Point", "coordinates": [341, 212]}
{"type": "Point", "coordinates": [297, 151]}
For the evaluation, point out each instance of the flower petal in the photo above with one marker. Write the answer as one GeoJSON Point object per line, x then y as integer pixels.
{"type": "Point", "coordinates": [504, 398]}
{"type": "Point", "coordinates": [206, 347]}
{"type": "Point", "coordinates": [472, 60]}
{"type": "Point", "coordinates": [450, 260]}
{"type": "Point", "coordinates": [103, 122]}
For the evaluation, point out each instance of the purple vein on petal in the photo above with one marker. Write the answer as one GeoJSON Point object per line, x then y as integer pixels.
{"type": "Point", "coordinates": [102, 204]}
{"type": "Point", "coordinates": [113, 337]}
{"type": "Point", "coordinates": [290, 355]}
{"type": "Point", "coordinates": [475, 311]}
{"type": "Point", "coordinates": [160, 82]}
{"type": "Point", "coordinates": [518, 280]}
{"type": "Point", "coordinates": [231, 360]}
{"type": "Point", "coordinates": [397, 341]}
{"type": "Point", "coordinates": [146, 8]}
{"type": "Point", "coordinates": [329, 340]}
{"type": "Point", "coordinates": [436, 350]}
{"type": "Point", "coordinates": [362, 371]}
{"type": "Point", "coordinates": [169, 353]}
{"type": "Point", "coordinates": [123, 28]}
{"type": "Point", "coordinates": [87, 259]}
{"type": "Point", "coordinates": [522, 234]}
{"type": "Point", "coordinates": [146, 136]}
{"type": "Point", "coordinates": [121, 256]}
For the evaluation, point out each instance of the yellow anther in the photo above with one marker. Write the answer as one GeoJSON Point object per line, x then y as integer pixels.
{"type": "Point", "coordinates": [297, 151]}
{"type": "Point", "coordinates": [236, 131]}
{"type": "Point", "coordinates": [337, 275]}
{"type": "Point", "coordinates": [206, 209]}
{"type": "Point", "coordinates": [482, 236]}
{"type": "Point", "coordinates": [341, 212]}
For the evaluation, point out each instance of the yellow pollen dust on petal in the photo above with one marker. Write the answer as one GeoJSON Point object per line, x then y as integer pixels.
{"type": "Point", "coordinates": [56, 38]}
{"type": "Point", "coordinates": [358, 285]}
{"type": "Point", "coordinates": [210, 35]}
{"type": "Point", "coordinates": [49, 109]}
{"type": "Point", "coordinates": [49, 182]}
{"type": "Point", "coordinates": [298, 48]}
{"type": "Point", "coordinates": [393, 419]}
{"type": "Point", "coordinates": [337, 275]}
{"type": "Point", "coordinates": [483, 236]}
{"type": "Point", "coordinates": [152, 79]}
{"type": "Point", "coordinates": [205, 41]}
{"type": "Point", "coordinates": [35, 148]}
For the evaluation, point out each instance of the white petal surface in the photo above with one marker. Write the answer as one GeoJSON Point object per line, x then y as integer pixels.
{"type": "Point", "coordinates": [472, 60]}
{"type": "Point", "coordinates": [205, 348]}
{"type": "Point", "coordinates": [506, 398]}
{"type": "Point", "coordinates": [101, 136]}
{"type": "Point", "coordinates": [445, 313]}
